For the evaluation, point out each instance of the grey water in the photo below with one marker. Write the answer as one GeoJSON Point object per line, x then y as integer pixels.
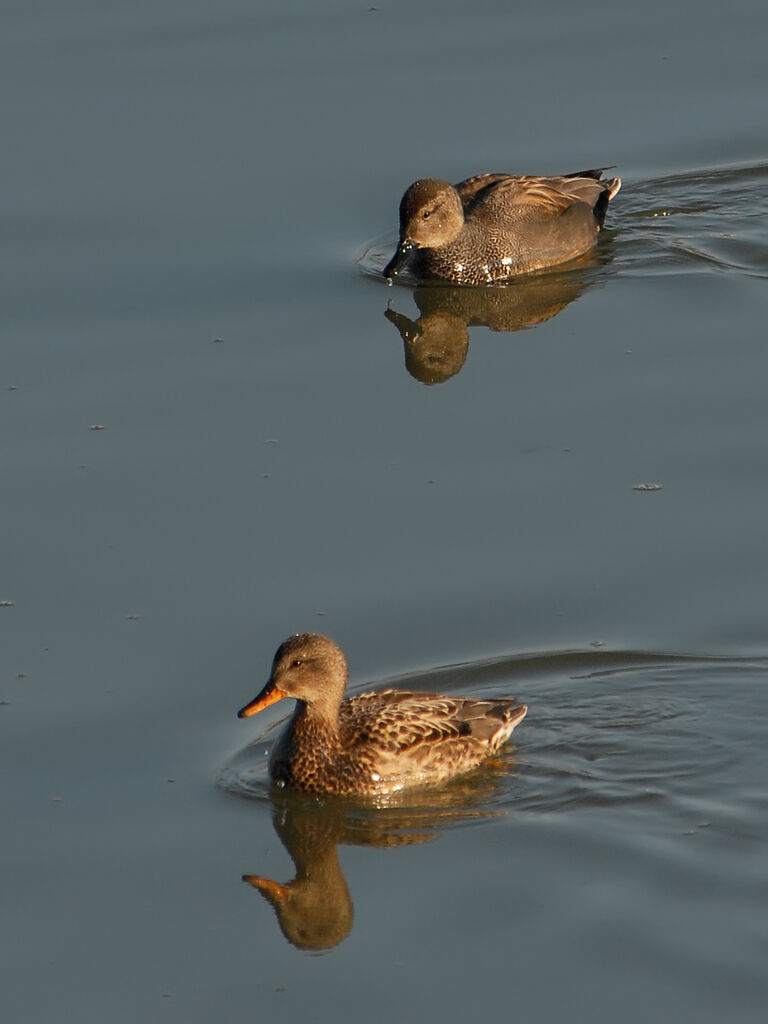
{"type": "Point", "coordinates": [219, 426]}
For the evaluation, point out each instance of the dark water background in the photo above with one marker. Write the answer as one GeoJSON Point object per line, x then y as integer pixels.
{"type": "Point", "coordinates": [174, 174]}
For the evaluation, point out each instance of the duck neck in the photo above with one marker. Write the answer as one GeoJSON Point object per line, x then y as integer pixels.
{"type": "Point", "coordinates": [318, 717]}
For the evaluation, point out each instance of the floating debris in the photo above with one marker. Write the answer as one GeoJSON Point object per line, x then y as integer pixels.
{"type": "Point", "coordinates": [96, 426]}
{"type": "Point", "coordinates": [647, 487]}
{"type": "Point", "coordinates": [7, 604]}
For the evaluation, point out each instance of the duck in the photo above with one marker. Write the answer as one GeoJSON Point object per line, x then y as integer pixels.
{"type": "Point", "coordinates": [374, 743]}
{"type": "Point", "coordinates": [494, 227]}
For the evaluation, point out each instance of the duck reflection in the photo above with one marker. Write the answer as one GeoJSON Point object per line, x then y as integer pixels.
{"type": "Point", "coordinates": [315, 910]}
{"type": "Point", "coordinates": [437, 342]}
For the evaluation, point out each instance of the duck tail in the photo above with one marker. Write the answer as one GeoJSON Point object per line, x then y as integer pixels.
{"type": "Point", "coordinates": [610, 187]}
{"type": "Point", "coordinates": [594, 172]}
{"type": "Point", "coordinates": [511, 714]}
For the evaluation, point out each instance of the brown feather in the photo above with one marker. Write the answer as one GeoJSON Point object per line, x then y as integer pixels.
{"type": "Point", "coordinates": [492, 227]}
{"type": "Point", "coordinates": [379, 741]}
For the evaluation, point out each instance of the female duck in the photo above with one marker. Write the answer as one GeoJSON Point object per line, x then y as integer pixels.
{"type": "Point", "coordinates": [373, 743]}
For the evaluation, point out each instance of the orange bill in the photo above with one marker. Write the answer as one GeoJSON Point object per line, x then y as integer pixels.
{"type": "Point", "coordinates": [271, 694]}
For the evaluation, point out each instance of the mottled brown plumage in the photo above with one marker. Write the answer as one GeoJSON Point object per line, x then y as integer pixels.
{"type": "Point", "coordinates": [374, 743]}
{"type": "Point", "coordinates": [493, 227]}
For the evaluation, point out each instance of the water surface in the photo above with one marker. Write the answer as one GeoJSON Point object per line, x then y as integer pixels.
{"type": "Point", "coordinates": [286, 446]}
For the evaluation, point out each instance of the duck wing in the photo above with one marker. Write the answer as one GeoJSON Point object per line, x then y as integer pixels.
{"type": "Point", "coordinates": [470, 187]}
{"type": "Point", "coordinates": [396, 721]}
{"type": "Point", "coordinates": [542, 195]}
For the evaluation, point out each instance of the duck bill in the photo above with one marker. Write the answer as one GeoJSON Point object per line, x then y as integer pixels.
{"type": "Point", "coordinates": [271, 694]}
{"type": "Point", "coordinates": [400, 259]}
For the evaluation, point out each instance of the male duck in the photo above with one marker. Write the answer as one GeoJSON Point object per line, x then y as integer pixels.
{"type": "Point", "coordinates": [496, 226]}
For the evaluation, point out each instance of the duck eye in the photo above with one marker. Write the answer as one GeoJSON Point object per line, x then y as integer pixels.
{"type": "Point", "coordinates": [427, 214]}
{"type": "Point", "coordinates": [297, 663]}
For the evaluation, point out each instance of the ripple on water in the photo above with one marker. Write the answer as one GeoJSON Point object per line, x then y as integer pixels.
{"type": "Point", "coordinates": [687, 222]}
{"type": "Point", "coordinates": [632, 807]}
{"type": "Point", "coordinates": [604, 728]}
{"type": "Point", "coordinates": [707, 219]}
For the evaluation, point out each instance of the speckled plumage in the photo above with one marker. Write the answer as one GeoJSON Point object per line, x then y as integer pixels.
{"type": "Point", "coordinates": [376, 742]}
{"type": "Point", "coordinates": [493, 227]}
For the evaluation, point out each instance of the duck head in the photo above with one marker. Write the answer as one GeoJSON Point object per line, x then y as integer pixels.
{"type": "Point", "coordinates": [308, 667]}
{"type": "Point", "coordinates": [431, 215]}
